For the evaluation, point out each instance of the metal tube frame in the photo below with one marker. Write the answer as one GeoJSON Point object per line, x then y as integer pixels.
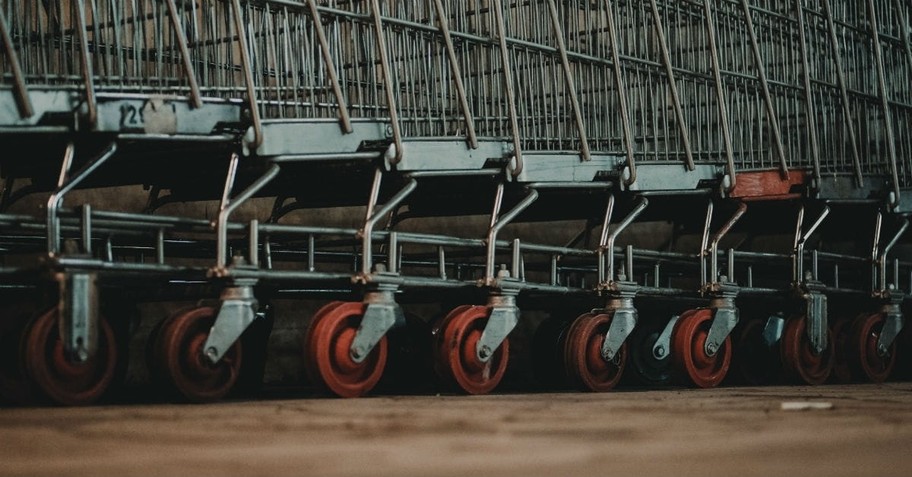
{"type": "Point", "coordinates": [65, 184]}
{"type": "Point", "coordinates": [23, 101]}
{"type": "Point", "coordinates": [606, 243]}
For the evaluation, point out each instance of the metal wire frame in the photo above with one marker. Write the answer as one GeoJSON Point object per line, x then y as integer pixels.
{"type": "Point", "coordinates": [800, 83]}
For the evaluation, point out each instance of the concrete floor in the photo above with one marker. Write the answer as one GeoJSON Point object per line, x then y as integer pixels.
{"type": "Point", "coordinates": [680, 432]}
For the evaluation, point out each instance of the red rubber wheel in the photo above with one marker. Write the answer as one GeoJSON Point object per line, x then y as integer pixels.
{"type": "Point", "coordinates": [60, 379]}
{"type": "Point", "coordinates": [186, 367]}
{"type": "Point", "coordinates": [307, 343]}
{"type": "Point", "coordinates": [586, 367]}
{"type": "Point", "coordinates": [866, 363]}
{"type": "Point", "coordinates": [457, 336]}
{"type": "Point", "coordinates": [689, 356]}
{"type": "Point", "coordinates": [799, 360]}
{"type": "Point", "coordinates": [329, 338]}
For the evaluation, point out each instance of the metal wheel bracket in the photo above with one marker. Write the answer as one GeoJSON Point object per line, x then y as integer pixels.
{"type": "Point", "coordinates": [662, 346]}
{"type": "Point", "coordinates": [893, 324]}
{"type": "Point", "coordinates": [503, 318]}
{"type": "Point", "coordinates": [381, 315]}
{"type": "Point", "coordinates": [78, 311]}
{"type": "Point", "coordinates": [237, 310]}
{"type": "Point", "coordinates": [772, 331]}
{"type": "Point", "coordinates": [623, 321]}
{"type": "Point", "coordinates": [817, 320]}
{"type": "Point", "coordinates": [724, 321]}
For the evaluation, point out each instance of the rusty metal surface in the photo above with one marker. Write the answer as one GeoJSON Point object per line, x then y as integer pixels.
{"type": "Point", "coordinates": [728, 431]}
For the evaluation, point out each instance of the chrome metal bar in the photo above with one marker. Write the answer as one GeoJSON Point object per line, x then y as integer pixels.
{"type": "Point", "coordinates": [811, 114]}
{"type": "Point", "coordinates": [603, 239]}
{"type": "Point", "coordinates": [886, 251]}
{"type": "Point", "coordinates": [85, 223]}
{"type": "Point", "coordinates": [499, 222]}
{"type": "Point", "coordinates": [622, 95]}
{"type": "Point", "coordinates": [229, 208]}
{"type": "Point", "coordinates": [243, 46]}
{"type": "Point", "coordinates": [772, 117]}
{"type": "Point", "coordinates": [801, 239]}
{"type": "Point", "coordinates": [441, 263]}
{"type": "Point", "coordinates": [23, 101]}
{"type": "Point", "coordinates": [885, 102]}
{"type": "Point", "coordinates": [843, 89]}
{"type": "Point", "coordinates": [367, 231]}
{"type": "Point", "coordinates": [393, 256]}
{"type": "Point", "coordinates": [160, 247]}
{"type": "Point", "coordinates": [508, 86]}
{"type": "Point", "coordinates": [638, 209]}
{"type": "Point", "coordinates": [704, 242]}
{"type": "Point", "coordinates": [720, 93]}
{"type": "Point", "coordinates": [64, 186]}
{"type": "Point", "coordinates": [311, 252]}
{"type": "Point", "coordinates": [88, 76]}
{"type": "Point", "coordinates": [457, 75]}
{"type": "Point", "coordinates": [875, 250]}
{"type": "Point", "coordinates": [195, 98]}
{"type": "Point", "coordinates": [714, 245]}
{"type": "Point", "coordinates": [585, 154]}
{"type": "Point", "coordinates": [387, 79]}
{"type": "Point", "coordinates": [253, 241]}
{"type": "Point", "coordinates": [673, 86]}
{"type": "Point", "coordinates": [229, 180]}
{"type": "Point", "coordinates": [516, 259]}
{"type": "Point", "coordinates": [344, 116]}
{"type": "Point", "coordinates": [374, 194]}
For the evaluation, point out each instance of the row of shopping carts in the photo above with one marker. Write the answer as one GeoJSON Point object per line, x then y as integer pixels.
{"type": "Point", "coordinates": [774, 135]}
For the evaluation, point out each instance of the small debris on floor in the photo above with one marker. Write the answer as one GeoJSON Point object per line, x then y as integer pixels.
{"type": "Point", "coordinates": [805, 406]}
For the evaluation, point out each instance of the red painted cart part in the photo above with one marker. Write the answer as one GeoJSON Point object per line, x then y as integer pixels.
{"type": "Point", "coordinates": [441, 369]}
{"type": "Point", "coordinates": [59, 378]}
{"type": "Point", "coordinates": [456, 338]}
{"type": "Point", "coordinates": [768, 185]}
{"type": "Point", "coordinates": [798, 358]}
{"type": "Point", "coordinates": [586, 367]}
{"type": "Point", "coordinates": [330, 338]}
{"type": "Point", "coordinates": [688, 350]}
{"type": "Point", "coordinates": [186, 367]}
{"type": "Point", "coordinates": [307, 343]}
{"type": "Point", "coordinates": [866, 362]}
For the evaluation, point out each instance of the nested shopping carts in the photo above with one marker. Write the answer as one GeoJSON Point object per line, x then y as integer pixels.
{"type": "Point", "coordinates": [773, 135]}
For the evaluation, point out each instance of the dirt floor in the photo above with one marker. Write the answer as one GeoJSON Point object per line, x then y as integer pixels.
{"type": "Point", "coordinates": [680, 432]}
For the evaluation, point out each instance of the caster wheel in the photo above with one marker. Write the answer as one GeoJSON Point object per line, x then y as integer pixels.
{"type": "Point", "coordinates": [184, 364]}
{"type": "Point", "coordinates": [586, 367]}
{"type": "Point", "coordinates": [327, 351]}
{"type": "Point", "coordinates": [754, 360]}
{"type": "Point", "coordinates": [645, 368]}
{"type": "Point", "coordinates": [60, 379]}
{"type": "Point", "coordinates": [548, 352]}
{"type": "Point", "coordinates": [688, 353]}
{"type": "Point", "coordinates": [455, 340]}
{"type": "Point", "coordinates": [864, 360]}
{"type": "Point", "coordinates": [799, 361]}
